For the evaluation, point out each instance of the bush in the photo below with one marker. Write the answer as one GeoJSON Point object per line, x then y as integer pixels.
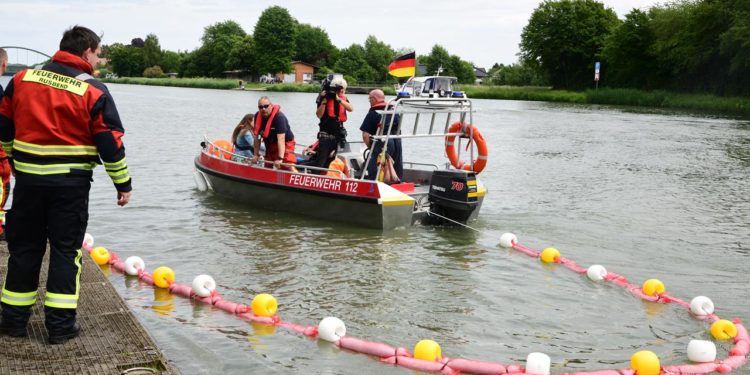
{"type": "Point", "coordinates": [153, 72]}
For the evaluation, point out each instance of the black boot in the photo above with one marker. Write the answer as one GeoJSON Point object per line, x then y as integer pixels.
{"type": "Point", "coordinates": [61, 337]}
{"type": "Point", "coordinates": [14, 320]}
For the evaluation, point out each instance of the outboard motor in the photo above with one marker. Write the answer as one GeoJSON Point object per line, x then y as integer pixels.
{"type": "Point", "coordinates": [451, 196]}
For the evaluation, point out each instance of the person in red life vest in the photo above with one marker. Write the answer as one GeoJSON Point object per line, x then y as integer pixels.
{"type": "Point", "coordinates": [272, 127]}
{"type": "Point", "coordinates": [57, 123]}
{"type": "Point", "coordinates": [5, 170]}
{"type": "Point", "coordinates": [332, 108]}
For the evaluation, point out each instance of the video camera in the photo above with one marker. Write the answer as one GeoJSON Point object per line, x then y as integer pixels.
{"type": "Point", "coordinates": [329, 87]}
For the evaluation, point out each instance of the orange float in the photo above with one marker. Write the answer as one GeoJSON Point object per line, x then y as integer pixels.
{"type": "Point", "coordinates": [221, 148]}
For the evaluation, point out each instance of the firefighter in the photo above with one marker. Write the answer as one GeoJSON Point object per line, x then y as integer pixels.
{"type": "Point", "coordinates": [56, 123]}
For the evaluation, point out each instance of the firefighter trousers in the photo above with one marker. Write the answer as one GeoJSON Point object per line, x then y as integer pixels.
{"type": "Point", "coordinates": [41, 213]}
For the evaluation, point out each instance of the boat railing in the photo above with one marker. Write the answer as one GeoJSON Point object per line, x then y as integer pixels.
{"type": "Point", "coordinates": [261, 162]}
{"type": "Point", "coordinates": [441, 112]}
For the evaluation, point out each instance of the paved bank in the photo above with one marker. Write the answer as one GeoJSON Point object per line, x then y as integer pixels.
{"type": "Point", "coordinates": [112, 341]}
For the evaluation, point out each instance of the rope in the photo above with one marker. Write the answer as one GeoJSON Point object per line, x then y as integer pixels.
{"type": "Point", "coordinates": [453, 221]}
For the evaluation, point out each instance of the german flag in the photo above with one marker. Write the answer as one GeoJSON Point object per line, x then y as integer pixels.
{"type": "Point", "coordinates": [403, 66]}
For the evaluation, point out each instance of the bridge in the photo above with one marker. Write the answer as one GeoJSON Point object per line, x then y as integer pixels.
{"type": "Point", "coordinates": [20, 58]}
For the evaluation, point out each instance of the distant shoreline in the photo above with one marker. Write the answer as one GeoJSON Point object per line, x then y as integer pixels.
{"type": "Point", "coordinates": [605, 96]}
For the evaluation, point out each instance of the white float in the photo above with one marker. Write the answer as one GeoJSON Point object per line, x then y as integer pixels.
{"type": "Point", "coordinates": [701, 351]}
{"type": "Point", "coordinates": [203, 285]}
{"type": "Point", "coordinates": [331, 329]}
{"type": "Point", "coordinates": [88, 241]}
{"type": "Point", "coordinates": [133, 264]}
{"type": "Point", "coordinates": [596, 272]}
{"type": "Point", "coordinates": [200, 181]}
{"type": "Point", "coordinates": [508, 240]}
{"type": "Point", "coordinates": [537, 364]}
{"type": "Point", "coordinates": [701, 305]}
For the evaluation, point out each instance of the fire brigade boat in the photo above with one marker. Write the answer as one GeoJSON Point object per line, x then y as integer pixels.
{"type": "Point", "coordinates": [428, 193]}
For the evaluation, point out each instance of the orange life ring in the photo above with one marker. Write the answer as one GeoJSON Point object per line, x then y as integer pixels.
{"type": "Point", "coordinates": [450, 148]}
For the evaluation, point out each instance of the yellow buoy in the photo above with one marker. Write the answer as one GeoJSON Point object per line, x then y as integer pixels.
{"type": "Point", "coordinates": [100, 255]}
{"type": "Point", "coordinates": [163, 276]}
{"type": "Point", "coordinates": [723, 330]}
{"type": "Point", "coordinates": [428, 350]}
{"type": "Point", "coordinates": [550, 255]}
{"type": "Point", "coordinates": [264, 305]}
{"type": "Point", "coordinates": [653, 287]}
{"type": "Point", "coordinates": [645, 363]}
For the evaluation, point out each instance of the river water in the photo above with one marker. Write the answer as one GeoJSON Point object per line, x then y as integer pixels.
{"type": "Point", "coordinates": [646, 193]}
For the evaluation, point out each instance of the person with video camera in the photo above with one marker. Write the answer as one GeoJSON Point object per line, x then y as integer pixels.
{"type": "Point", "coordinates": [332, 107]}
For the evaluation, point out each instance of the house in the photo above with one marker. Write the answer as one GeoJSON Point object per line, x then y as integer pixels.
{"type": "Point", "coordinates": [480, 75]}
{"type": "Point", "coordinates": [302, 72]}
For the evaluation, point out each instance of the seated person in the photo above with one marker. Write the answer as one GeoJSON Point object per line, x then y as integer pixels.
{"type": "Point", "coordinates": [273, 129]}
{"type": "Point", "coordinates": [370, 126]}
{"type": "Point", "coordinates": [339, 168]}
{"type": "Point", "coordinates": [243, 136]}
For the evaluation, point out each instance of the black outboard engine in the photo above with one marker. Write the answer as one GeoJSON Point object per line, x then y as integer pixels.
{"type": "Point", "coordinates": [451, 196]}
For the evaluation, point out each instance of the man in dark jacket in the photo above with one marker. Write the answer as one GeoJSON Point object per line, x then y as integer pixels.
{"type": "Point", "coordinates": [56, 123]}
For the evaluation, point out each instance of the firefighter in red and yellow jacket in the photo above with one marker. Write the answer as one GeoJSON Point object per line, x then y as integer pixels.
{"type": "Point", "coordinates": [56, 123]}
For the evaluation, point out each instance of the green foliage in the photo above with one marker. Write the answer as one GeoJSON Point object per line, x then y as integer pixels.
{"type": "Point", "coordinates": [437, 59]}
{"type": "Point", "coordinates": [153, 72]}
{"type": "Point", "coordinates": [242, 55]}
{"type": "Point", "coordinates": [170, 61]}
{"type": "Point", "coordinates": [125, 61]}
{"type": "Point", "coordinates": [294, 87]}
{"type": "Point", "coordinates": [203, 83]}
{"type": "Point", "coordinates": [353, 64]}
{"type": "Point", "coordinates": [313, 45]}
{"type": "Point", "coordinates": [378, 55]}
{"type": "Point", "coordinates": [218, 42]}
{"type": "Point", "coordinates": [152, 54]}
{"type": "Point", "coordinates": [276, 37]}
{"type": "Point", "coordinates": [564, 38]}
{"type": "Point", "coordinates": [628, 57]}
{"type": "Point", "coordinates": [516, 75]}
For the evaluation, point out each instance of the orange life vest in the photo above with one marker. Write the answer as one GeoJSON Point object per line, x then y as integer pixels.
{"type": "Point", "coordinates": [269, 122]}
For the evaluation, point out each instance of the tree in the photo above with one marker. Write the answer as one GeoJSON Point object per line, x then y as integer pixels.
{"type": "Point", "coordinates": [242, 55]}
{"type": "Point", "coordinates": [170, 61]}
{"type": "Point", "coordinates": [628, 54]}
{"type": "Point", "coordinates": [378, 56]}
{"type": "Point", "coordinates": [439, 58]}
{"type": "Point", "coordinates": [126, 61]}
{"type": "Point", "coordinates": [275, 38]}
{"type": "Point", "coordinates": [352, 63]}
{"type": "Point", "coordinates": [152, 53]}
{"type": "Point", "coordinates": [218, 41]}
{"type": "Point", "coordinates": [462, 70]}
{"type": "Point", "coordinates": [564, 38]}
{"type": "Point", "coordinates": [735, 47]}
{"type": "Point", "coordinates": [313, 45]}
{"type": "Point", "coordinates": [516, 75]}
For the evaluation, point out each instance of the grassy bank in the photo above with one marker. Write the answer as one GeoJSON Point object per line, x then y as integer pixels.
{"type": "Point", "coordinates": [631, 97]}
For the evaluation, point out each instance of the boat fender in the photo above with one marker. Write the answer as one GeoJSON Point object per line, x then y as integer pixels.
{"type": "Point", "coordinates": [508, 240]}
{"type": "Point", "coordinates": [200, 181]}
{"type": "Point", "coordinates": [701, 351]}
{"type": "Point", "coordinates": [477, 138]}
{"type": "Point", "coordinates": [537, 363]}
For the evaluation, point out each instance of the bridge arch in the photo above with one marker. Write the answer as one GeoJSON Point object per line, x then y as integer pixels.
{"type": "Point", "coordinates": [16, 63]}
{"type": "Point", "coordinates": [27, 49]}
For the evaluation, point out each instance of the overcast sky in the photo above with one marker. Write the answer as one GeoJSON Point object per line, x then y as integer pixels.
{"type": "Point", "coordinates": [483, 32]}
